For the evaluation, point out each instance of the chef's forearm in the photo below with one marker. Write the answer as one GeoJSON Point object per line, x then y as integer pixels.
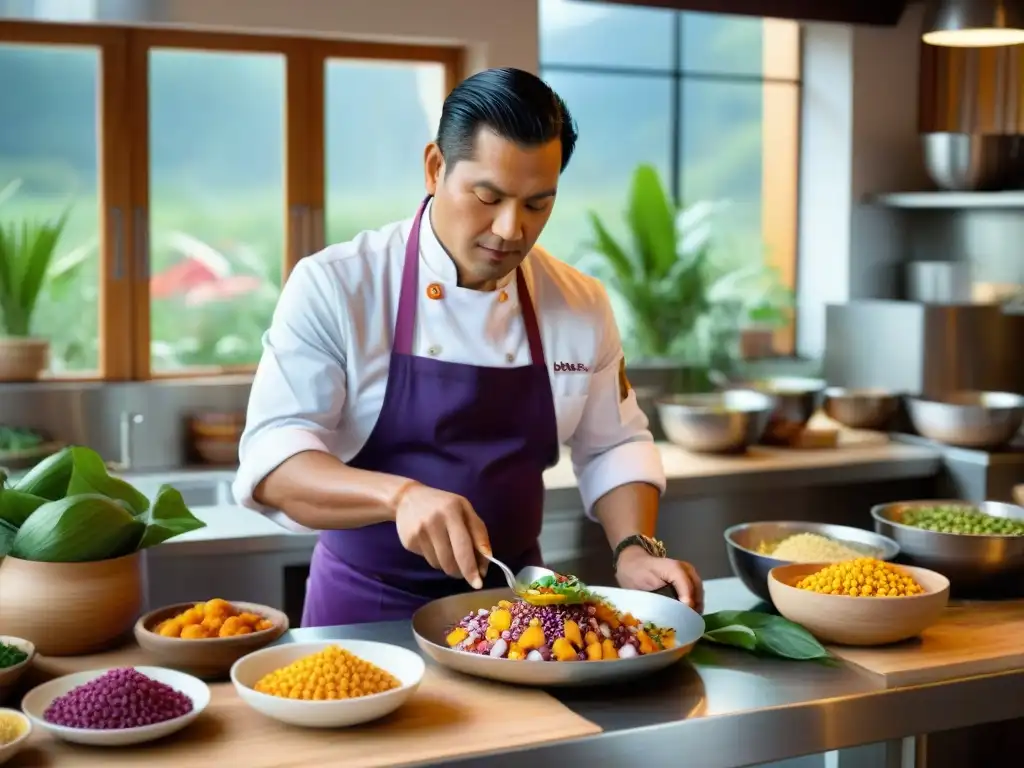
{"type": "Point", "coordinates": [626, 510]}
{"type": "Point", "coordinates": [319, 491]}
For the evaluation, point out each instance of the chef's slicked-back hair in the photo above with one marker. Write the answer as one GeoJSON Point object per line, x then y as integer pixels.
{"type": "Point", "coordinates": [514, 104]}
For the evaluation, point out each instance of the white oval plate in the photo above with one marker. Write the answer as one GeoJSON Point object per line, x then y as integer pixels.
{"type": "Point", "coordinates": [39, 698]}
{"type": "Point", "coordinates": [407, 666]}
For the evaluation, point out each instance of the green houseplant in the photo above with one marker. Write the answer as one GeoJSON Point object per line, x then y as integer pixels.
{"type": "Point", "coordinates": [684, 299]}
{"type": "Point", "coordinates": [27, 248]}
{"type": "Point", "coordinates": [70, 542]}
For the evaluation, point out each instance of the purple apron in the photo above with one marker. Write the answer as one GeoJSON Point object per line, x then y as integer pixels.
{"type": "Point", "coordinates": [484, 433]}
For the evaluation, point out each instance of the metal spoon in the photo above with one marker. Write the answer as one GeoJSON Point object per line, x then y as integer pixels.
{"type": "Point", "coordinates": [520, 582]}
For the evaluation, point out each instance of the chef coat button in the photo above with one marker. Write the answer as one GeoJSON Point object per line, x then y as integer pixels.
{"type": "Point", "coordinates": [435, 291]}
{"type": "Point", "coordinates": [503, 297]}
{"type": "Point", "coordinates": [434, 351]}
{"type": "Point", "coordinates": [510, 357]}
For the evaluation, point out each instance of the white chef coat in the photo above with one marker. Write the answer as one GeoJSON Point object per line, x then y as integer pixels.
{"type": "Point", "coordinates": [320, 382]}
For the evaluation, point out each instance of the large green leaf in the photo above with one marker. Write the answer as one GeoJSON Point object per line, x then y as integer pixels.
{"type": "Point", "coordinates": [89, 476]}
{"type": "Point", "coordinates": [612, 252]}
{"type": "Point", "coordinates": [652, 220]}
{"type": "Point", "coordinates": [167, 518]}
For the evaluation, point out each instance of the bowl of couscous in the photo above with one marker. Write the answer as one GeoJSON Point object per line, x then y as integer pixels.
{"type": "Point", "coordinates": [859, 602]}
{"type": "Point", "coordinates": [754, 549]}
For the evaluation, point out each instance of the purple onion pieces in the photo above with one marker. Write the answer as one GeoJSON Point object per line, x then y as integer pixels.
{"type": "Point", "coordinates": [121, 698]}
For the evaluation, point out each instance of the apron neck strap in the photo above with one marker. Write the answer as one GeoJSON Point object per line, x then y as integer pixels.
{"type": "Point", "coordinates": [405, 324]}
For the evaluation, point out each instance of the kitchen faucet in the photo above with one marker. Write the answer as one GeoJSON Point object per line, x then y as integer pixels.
{"type": "Point", "coordinates": [127, 421]}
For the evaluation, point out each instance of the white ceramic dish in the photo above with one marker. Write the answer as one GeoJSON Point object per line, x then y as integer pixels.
{"type": "Point", "coordinates": [38, 699]}
{"type": "Point", "coordinates": [407, 666]}
{"type": "Point", "coordinates": [9, 750]}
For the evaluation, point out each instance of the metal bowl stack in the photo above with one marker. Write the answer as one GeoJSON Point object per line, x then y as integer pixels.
{"type": "Point", "coordinates": [796, 400]}
{"type": "Point", "coordinates": [751, 567]}
{"type": "Point", "coordinates": [977, 565]}
{"type": "Point", "coordinates": [860, 408]}
{"type": "Point", "coordinates": [721, 422]}
{"type": "Point", "coordinates": [969, 419]}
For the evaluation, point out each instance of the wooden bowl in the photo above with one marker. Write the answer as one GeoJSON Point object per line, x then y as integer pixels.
{"type": "Point", "coordinates": [70, 609]}
{"type": "Point", "coordinates": [10, 675]}
{"type": "Point", "coordinates": [859, 621]}
{"type": "Point", "coordinates": [209, 658]}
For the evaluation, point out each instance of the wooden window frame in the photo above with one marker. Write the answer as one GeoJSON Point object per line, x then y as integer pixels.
{"type": "Point", "coordinates": [124, 327]}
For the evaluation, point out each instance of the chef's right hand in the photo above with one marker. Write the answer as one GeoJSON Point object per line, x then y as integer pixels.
{"type": "Point", "coordinates": [445, 530]}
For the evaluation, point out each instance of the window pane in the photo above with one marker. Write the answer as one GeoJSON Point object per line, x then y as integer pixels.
{"type": "Point", "coordinates": [740, 45]}
{"type": "Point", "coordinates": [49, 153]}
{"type": "Point", "coordinates": [607, 35]}
{"type": "Point", "coordinates": [740, 145]}
{"type": "Point", "coordinates": [623, 121]}
{"type": "Point", "coordinates": [379, 118]}
{"type": "Point", "coordinates": [216, 133]}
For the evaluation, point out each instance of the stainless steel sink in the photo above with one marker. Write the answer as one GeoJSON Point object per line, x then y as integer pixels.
{"type": "Point", "coordinates": [198, 488]}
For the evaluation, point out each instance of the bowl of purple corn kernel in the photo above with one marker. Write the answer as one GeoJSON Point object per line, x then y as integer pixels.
{"type": "Point", "coordinates": [117, 707]}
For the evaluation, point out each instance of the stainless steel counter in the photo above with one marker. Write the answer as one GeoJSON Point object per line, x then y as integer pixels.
{"type": "Point", "coordinates": [725, 709]}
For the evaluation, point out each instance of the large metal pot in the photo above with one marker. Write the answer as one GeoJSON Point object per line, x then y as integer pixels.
{"type": "Point", "coordinates": [974, 162]}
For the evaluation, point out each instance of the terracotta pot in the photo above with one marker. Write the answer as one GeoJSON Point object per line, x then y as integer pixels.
{"type": "Point", "coordinates": [70, 609]}
{"type": "Point", "coordinates": [23, 359]}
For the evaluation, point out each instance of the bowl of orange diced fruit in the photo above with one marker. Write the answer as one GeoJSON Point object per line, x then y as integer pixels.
{"type": "Point", "coordinates": [206, 638]}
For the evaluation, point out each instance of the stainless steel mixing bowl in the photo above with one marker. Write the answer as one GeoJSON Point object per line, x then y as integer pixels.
{"type": "Point", "coordinates": [976, 565]}
{"type": "Point", "coordinates": [796, 400]}
{"type": "Point", "coordinates": [720, 422]}
{"type": "Point", "coordinates": [432, 622]}
{"type": "Point", "coordinates": [968, 419]}
{"type": "Point", "coordinates": [967, 162]}
{"type": "Point", "coordinates": [860, 408]}
{"type": "Point", "coordinates": [751, 567]}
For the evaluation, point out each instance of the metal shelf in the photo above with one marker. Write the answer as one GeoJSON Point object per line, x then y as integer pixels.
{"type": "Point", "coordinates": [949, 200]}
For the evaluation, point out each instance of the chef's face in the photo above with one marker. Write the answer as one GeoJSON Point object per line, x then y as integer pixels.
{"type": "Point", "coordinates": [489, 209]}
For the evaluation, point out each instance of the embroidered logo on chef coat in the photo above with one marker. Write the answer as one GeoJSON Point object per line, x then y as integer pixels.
{"type": "Point", "coordinates": [624, 385]}
{"type": "Point", "coordinates": [571, 368]}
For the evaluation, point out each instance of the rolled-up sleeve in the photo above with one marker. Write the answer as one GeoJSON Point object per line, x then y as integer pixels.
{"type": "Point", "coordinates": [299, 387]}
{"type": "Point", "coordinates": [612, 445]}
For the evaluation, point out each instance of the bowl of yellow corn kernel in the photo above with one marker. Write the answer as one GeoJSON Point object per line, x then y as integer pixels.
{"type": "Point", "coordinates": [328, 684]}
{"type": "Point", "coordinates": [859, 602]}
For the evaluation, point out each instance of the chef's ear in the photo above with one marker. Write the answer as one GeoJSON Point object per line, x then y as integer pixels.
{"type": "Point", "coordinates": [433, 167]}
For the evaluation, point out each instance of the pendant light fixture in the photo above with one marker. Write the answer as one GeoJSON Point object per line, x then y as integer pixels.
{"type": "Point", "coordinates": [974, 23]}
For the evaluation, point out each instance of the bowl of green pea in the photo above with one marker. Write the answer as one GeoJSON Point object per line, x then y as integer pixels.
{"type": "Point", "coordinates": [978, 547]}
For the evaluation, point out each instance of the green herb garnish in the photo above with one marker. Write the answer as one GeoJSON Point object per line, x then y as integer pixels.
{"type": "Point", "coordinates": [11, 655]}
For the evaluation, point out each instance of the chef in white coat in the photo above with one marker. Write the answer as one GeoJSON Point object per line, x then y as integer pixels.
{"type": "Point", "coordinates": [417, 380]}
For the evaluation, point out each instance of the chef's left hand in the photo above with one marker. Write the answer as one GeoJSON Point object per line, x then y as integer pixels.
{"type": "Point", "coordinates": [639, 570]}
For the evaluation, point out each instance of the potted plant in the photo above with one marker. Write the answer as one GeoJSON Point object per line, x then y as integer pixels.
{"type": "Point", "coordinates": [27, 248]}
{"type": "Point", "coordinates": [659, 278]}
{"type": "Point", "coordinates": [70, 538]}
{"type": "Point", "coordinates": [685, 304]}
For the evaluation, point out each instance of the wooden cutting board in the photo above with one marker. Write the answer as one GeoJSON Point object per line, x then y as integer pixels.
{"type": "Point", "coordinates": [972, 638]}
{"type": "Point", "coordinates": [450, 716]}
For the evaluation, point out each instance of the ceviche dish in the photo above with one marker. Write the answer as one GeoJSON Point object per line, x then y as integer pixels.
{"type": "Point", "coordinates": [578, 626]}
